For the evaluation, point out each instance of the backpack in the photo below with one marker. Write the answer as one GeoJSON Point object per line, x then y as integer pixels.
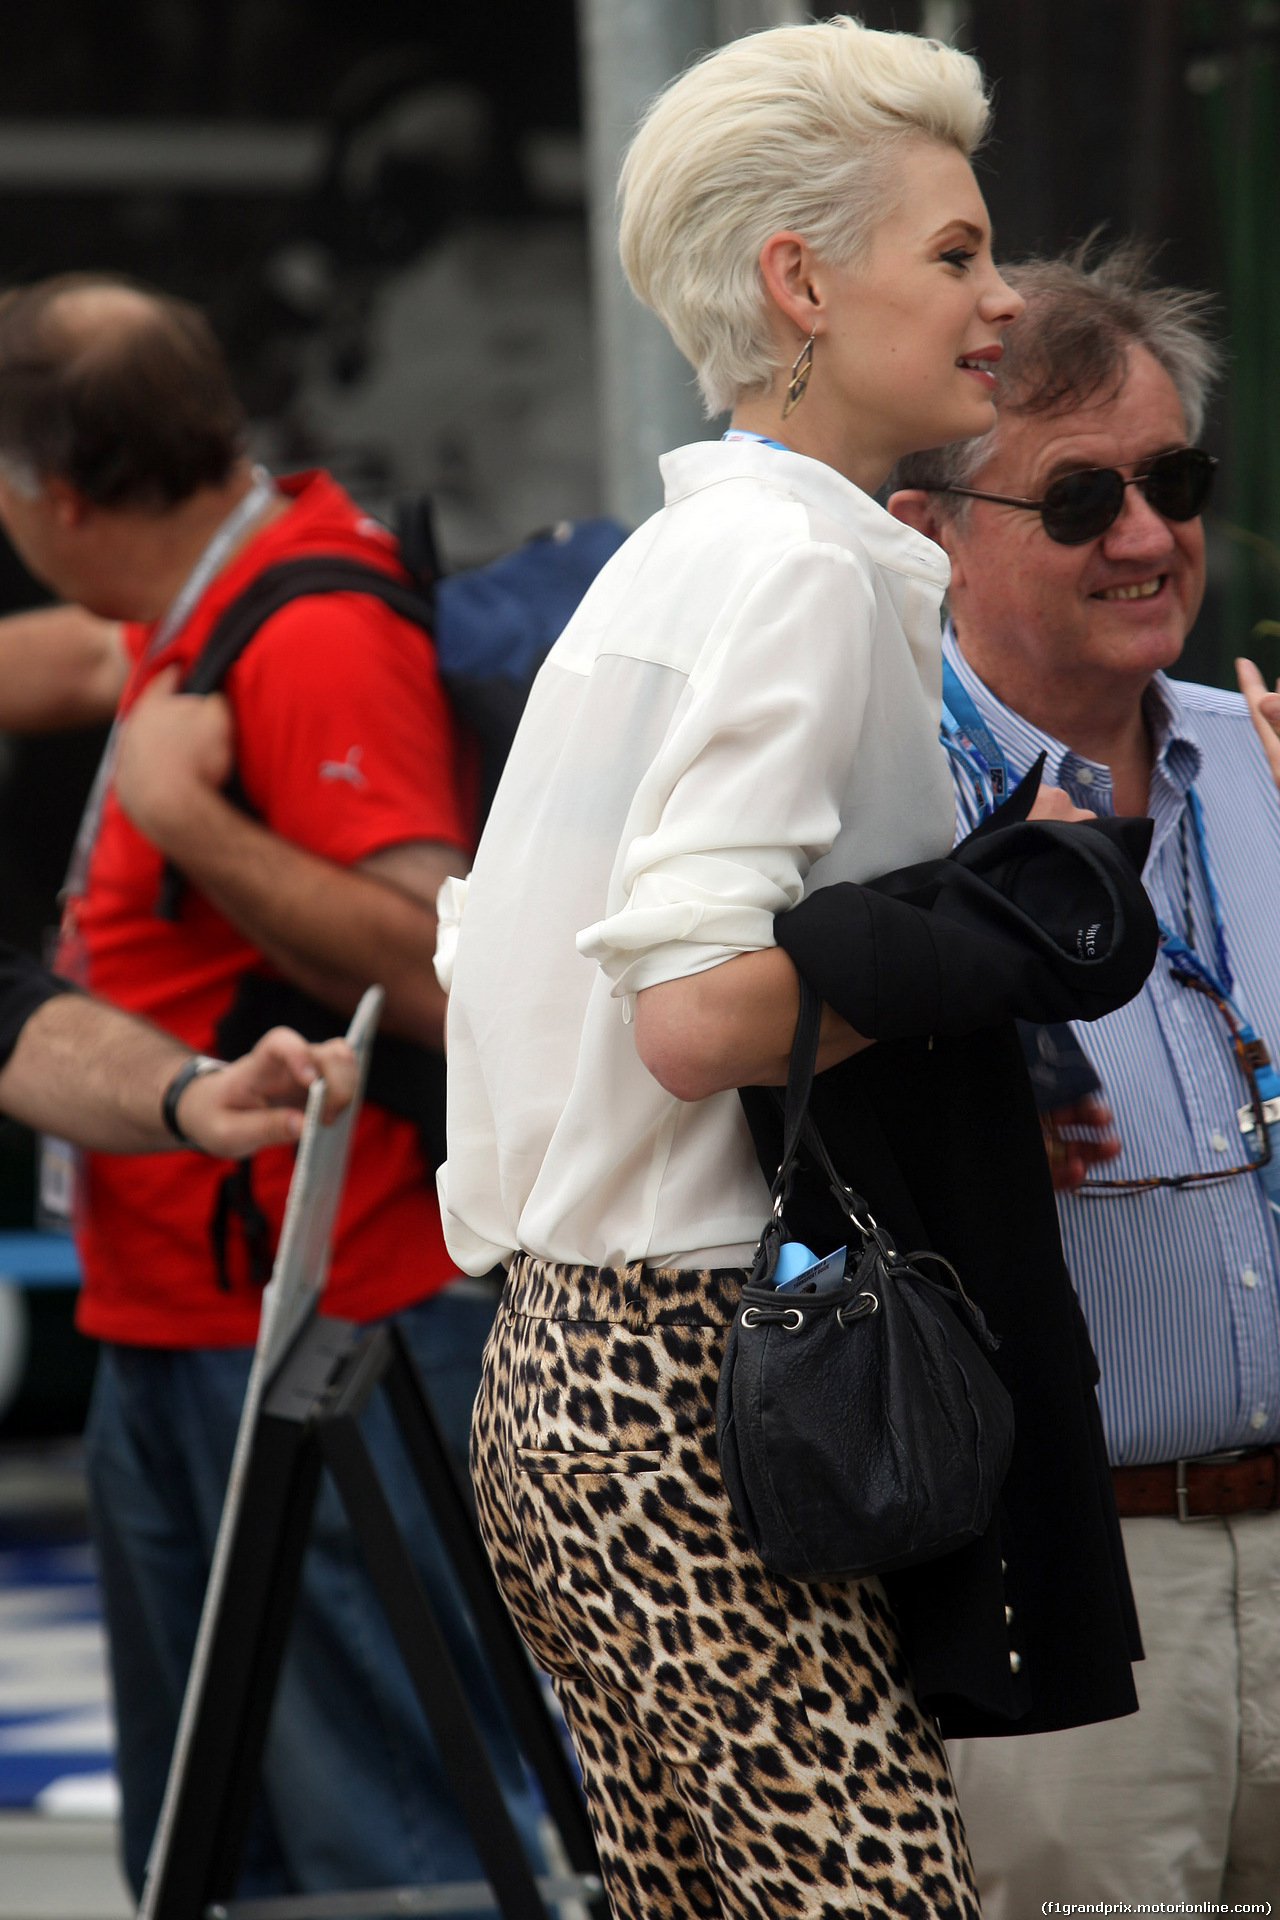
{"type": "Point", "coordinates": [492, 627]}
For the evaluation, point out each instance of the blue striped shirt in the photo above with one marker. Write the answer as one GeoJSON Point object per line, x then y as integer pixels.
{"type": "Point", "coordinates": [1181, 1290]}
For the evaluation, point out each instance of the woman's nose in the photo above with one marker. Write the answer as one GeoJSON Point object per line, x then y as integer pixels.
{"type": "Point", "coordinates": [1000, 305]}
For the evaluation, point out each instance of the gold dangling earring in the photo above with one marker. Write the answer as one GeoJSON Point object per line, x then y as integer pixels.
{"type": "Point", "coordinates": [799, 375]}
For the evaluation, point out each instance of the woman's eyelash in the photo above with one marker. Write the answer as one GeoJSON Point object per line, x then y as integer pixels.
{"type": "Point", "coordinates": [957, 257]}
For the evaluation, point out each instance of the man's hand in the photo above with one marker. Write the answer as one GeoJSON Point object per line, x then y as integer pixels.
{"type": "Point", "coordinates": [1070, 1156]}
{"type": "Point", "coordinates": [175, 749]}
{"type": "Point", "coordinates": [1264, 710]}
{"type": "Point", "coordinates": [1051, 803]}
{"type": "Point", "coordinates": [257, 1100]}
{"type": "Point", "coordinates": [92, 1074]}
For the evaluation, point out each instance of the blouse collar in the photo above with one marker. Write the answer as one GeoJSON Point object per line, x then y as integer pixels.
{"type": "Point", "coordinates": [708, 463]}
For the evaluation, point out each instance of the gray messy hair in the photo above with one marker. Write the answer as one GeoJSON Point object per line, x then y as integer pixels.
{"type": "Point", "coordinates": [1071, 346]}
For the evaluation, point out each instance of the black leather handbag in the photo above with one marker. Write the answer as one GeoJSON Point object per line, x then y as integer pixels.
{"type": "Point", "coordinates": [860, 1426]}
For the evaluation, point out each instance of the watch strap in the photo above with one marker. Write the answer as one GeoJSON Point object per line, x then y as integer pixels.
{"type": "Point", "coordinates": [192, 1069]}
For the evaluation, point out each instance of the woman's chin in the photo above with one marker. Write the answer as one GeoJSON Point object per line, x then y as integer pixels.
{"type": "Point", "coordinates": [956, 421]}
{"type": "Point", "coordinates": [974, 415]}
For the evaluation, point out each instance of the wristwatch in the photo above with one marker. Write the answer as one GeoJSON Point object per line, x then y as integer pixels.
{"type": "Point", "coordinates": [192, 1069]}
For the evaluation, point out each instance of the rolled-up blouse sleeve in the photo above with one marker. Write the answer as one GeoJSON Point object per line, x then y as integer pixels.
{"type": "Point", "coordinates": [450, 900]}
{"type": "Point", "coordinates": [746, 792]}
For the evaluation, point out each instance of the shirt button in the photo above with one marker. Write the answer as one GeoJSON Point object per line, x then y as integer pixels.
{"type": "Point", "coordinates": [1015, 1661]}
{"type": "Point", "coordinates": [1218, 1141]}
{"type": "Point", "coordinates": [1084, 776]}
{"type": "Point", "coordinates": [1249, 1277]}
{"type": "Point", "coordinates": [1258, 1419]}
{"type": "Point", "coordinates": [1008, 1616]}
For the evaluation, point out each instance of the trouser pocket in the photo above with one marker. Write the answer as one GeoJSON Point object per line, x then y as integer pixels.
{"type": "Point", "coordinates": [541, 1461]}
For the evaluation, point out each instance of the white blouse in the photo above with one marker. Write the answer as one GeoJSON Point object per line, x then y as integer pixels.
{"type": "Point", "coordinates": [744, 707]}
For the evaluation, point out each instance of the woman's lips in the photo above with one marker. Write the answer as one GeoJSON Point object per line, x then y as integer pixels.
{"type": "Point", "coordinates": [979, 370]}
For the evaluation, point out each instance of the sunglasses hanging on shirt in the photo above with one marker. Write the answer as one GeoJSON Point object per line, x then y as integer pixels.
{"type": "Point", "coordinates": [1080, 506]}
{"type": "Point", "coordinates": [1211, 975]}
{"type": "Point", "coordinates": [970, 743]}
{"type": "Point", "coordinates": [1259, 1118]}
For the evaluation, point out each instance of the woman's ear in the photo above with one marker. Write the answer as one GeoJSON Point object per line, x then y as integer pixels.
{"type": "Point", "coordinates": [785, 267]}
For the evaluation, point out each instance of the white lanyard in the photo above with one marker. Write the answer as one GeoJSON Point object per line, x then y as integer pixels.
{"type": "Point", "coordinates": [211, 560]}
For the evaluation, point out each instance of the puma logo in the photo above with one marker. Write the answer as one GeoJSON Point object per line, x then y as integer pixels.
{"type": "Point", "coordinates": [348, 769]}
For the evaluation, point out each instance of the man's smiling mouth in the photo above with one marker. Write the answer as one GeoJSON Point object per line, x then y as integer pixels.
{"type": "Point", "coordinates": [1134, 590]}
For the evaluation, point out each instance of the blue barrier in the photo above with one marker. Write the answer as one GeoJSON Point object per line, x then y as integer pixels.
{"type": "Point", "coordinates": [38, 1260]}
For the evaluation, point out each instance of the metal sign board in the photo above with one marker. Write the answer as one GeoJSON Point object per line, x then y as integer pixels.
{"type": "Point", "coordinates": [297, 1282]}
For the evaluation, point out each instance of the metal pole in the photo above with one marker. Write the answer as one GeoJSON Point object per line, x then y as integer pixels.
{"type": "Point", "coordinates": [649, 401]}
{"type": "Point", "coordinates": [948, 21]}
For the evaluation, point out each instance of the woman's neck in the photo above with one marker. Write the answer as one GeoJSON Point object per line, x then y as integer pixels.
{"type": "Point", "coordinates": [814, 430]}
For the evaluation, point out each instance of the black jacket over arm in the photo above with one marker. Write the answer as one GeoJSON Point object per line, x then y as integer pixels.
{"type": "Point", "coordinates": [936, 1126]}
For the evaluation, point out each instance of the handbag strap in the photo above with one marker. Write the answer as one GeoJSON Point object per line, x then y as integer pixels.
{"type": "Point", "coordinates": [795, 1117]}
{"type": "Point", "coordinates": [797, 1124]}
{"type": "Point", "coordinates": [800, 1072]}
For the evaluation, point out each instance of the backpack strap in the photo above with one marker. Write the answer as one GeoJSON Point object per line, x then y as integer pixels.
{"type": "Point", "coordinates": [290, 580]}
{"type": "Point", "coordinates": [405, 1078]}
{"type": "Point", "coordinates": [270, 590]}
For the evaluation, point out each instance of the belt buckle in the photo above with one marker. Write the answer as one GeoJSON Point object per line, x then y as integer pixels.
{"type": "Point", "coordinates": [1185, 1517]}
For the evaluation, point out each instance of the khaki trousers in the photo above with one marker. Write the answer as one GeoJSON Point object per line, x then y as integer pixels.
{"type": "Point", "coordinates": [1180, 1801]}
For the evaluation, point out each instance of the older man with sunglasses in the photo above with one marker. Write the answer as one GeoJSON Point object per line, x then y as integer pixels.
{"type": "Point", "coordinates": [1077, 558]}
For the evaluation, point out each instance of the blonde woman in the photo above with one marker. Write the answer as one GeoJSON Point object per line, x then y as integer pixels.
{"type": "Point", "coordinates": [745, 707]}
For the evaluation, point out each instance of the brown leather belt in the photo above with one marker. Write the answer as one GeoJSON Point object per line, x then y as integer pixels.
{"type": "Point", "coordinates": [1205, 1489]}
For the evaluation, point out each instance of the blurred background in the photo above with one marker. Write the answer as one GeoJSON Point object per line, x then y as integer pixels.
{"type": "Point", "coordinates": [399, 218]}
{"type": "Point", "coordinates": [387, 211]}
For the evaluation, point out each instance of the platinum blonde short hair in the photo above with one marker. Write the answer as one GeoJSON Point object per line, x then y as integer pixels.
{"type": "Point", "coordinates": [793, 128]}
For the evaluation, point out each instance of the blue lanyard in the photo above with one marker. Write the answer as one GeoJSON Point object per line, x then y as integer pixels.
{"type": "Point", "coordinates": [1183, 959]}
{"type": "Point", "coordinates": [1176, 950]}
{"type": "Point", "coordinates": [745, 433]}
{"type": "Point", "coordinates": [972, 745]}
{"type": "Point", "coordinates": [970, 742]}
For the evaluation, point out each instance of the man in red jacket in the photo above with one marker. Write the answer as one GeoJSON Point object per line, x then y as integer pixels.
{"type": "Point", "coordinates": [125, 487]}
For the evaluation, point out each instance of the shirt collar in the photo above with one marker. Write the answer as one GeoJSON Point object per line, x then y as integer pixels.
{"type": "Point", "coordinates": [888, 542]}
{"type": "Point", "coordinates": [1087, 782]}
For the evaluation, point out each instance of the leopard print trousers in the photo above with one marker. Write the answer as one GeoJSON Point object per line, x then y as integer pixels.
{"type": "Point", "coordinates": [750, 1747]}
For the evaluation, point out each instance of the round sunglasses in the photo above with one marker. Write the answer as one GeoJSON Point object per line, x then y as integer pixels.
{"type": "Point", "coordinates": [1080, 506]}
